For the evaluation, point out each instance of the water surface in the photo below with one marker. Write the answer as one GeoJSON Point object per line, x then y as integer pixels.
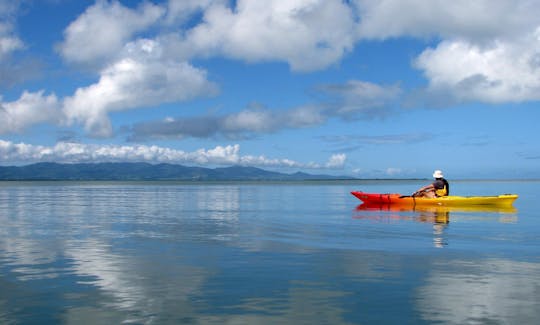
{"type": "Point", "coordinates": [266, 253]}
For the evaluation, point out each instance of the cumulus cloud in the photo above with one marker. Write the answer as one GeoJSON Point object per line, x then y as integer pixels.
{"type": "Point", "coordinates": [307, 34]}
{"type": "Point", "coordinates": [145, 74]}
{"type": "Point", "coordinates": [29, 109]}
{"type": "Point", "coordinates": [67, 152]}
{"type": "Point", "coordinates": [476, 21]}
{"type": "Point", "coordinates": [244, 124]}
{"type": "Point", "coordinates": [489, 50]}
{"type": "Point", "coordinates": [115, 25]}
{"type": "Point", "coordinates": [350, 101]}
{"type": "Point", "coordinates": [336, 161]}
{"type": "Point", "coordinates": [140, 79]}
{"type": "Point", "coordinates": [504, 71]}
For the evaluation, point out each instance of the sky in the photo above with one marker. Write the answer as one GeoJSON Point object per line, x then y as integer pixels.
{"type": "Point", "coordinates": [363, 88]}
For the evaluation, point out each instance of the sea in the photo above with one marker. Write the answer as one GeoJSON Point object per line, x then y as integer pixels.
{"type": "Point", "coordinates": [264, 253]}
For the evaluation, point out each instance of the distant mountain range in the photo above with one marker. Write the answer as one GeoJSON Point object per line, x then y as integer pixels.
{"type": "Point", "coordinates": [146, 171]}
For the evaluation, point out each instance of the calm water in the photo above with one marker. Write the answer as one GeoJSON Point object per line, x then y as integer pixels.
{"type": "Point", "coordinates": [165, 253]}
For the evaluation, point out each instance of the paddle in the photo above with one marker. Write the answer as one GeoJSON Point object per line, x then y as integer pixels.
{"type": "Point", "coordinates": [415, 194]}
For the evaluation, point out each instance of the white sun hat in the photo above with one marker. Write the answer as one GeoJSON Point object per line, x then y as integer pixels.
{"type": "Point", "coordinates": [438, 174]}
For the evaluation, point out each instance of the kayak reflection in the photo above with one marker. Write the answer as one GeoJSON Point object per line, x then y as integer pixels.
{"type": "Point", "coordinates": [437, 209]}
{"type": "Point", "coordinates": [439, 216]}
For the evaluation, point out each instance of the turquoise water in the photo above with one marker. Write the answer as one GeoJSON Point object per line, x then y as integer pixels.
{"type": "Point", "coordinates": [263, 253]}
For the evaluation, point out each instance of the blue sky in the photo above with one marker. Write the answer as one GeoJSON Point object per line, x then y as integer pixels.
{"type": "Point", "coordinates": [366, 88]}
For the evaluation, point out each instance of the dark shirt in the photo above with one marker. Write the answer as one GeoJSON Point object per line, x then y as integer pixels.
{"type": "Point", "coordinates": [441, 183]}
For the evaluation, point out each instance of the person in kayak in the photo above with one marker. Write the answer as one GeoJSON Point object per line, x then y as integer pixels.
{"type": "Point", "coordinates": [438, 188]}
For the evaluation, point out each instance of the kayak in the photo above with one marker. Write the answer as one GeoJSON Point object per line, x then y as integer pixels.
{"type": "Point", "coordinates": [504, 200]}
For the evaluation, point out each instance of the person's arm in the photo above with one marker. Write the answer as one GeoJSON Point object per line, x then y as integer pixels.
{"type": "Point", "coordinates": [425, 188]}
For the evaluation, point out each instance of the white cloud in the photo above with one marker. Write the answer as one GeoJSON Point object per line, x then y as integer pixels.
{"type": "Point", "coordinates": [336, 161]}
{"type": "Point", "coordinates": [308, 34]}
{"type": "Point", "coordinates": [142, 78]}
{"type": "Point", "coordinates": [361, 98]}
{"type": "Point", "coordinates": [487, 54]}
{"type": "Point", "coordinates": [250, 120]}
{"type": "Point", "coordinates": [68, 152]}
{"type": "Point", "coordinates": [350, 101]}
{"type": "Point", "coordinates": [479, 20]}
{"type": "Point", "coordinates": [103, 30]}
{"type": "Point", "coordinates": [9, 42]}
{"type": "Point", "coordinates": [503, 71]}
{"type": "Point", "coordinates": [490, 50]}
{"type": "Point", "coordinates": [29, 109]}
